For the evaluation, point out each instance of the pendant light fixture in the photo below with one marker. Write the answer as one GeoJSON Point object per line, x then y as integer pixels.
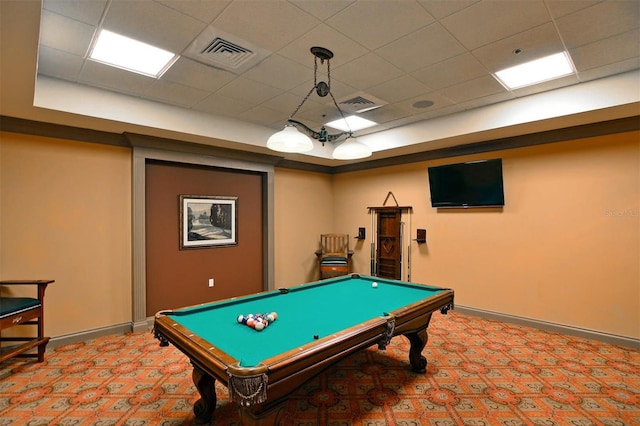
{"type": "Point", "coordinates": [293, 140]}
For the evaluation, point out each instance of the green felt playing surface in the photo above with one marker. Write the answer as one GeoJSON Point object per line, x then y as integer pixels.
{"type": "Point", "coordinates": [321, 308]}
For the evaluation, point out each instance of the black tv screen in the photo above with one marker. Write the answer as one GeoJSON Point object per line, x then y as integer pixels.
{"type": "Point", "coordinates": [473, 184]}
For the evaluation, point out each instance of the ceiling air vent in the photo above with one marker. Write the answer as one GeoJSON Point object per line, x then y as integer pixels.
{"type": "Point", "coordinates": [223, 50]}
{"type": "Point", "coordinates": [226, 52]}
{"type": "Point", "coordinates": [360, 102]}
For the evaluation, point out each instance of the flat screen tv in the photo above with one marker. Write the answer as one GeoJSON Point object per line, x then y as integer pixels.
{"type": "Point", "coordinates": [463, 185]}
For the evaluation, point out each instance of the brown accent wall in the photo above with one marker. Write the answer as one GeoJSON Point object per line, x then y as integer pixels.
{"type": "Point", "coordinates": [176, 277]}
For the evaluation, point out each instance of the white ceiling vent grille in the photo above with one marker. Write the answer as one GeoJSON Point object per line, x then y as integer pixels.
{"type": "Point", "coordinates": [360, 102]}
{"type": "Point", "coordinates": [223, 50]}
{"type": "Point", "coordinates": [226, 52]}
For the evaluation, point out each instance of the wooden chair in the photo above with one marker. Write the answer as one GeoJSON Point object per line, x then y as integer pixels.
{"type": "Point", "coordinates": [23, 311]}
{"type": "Point", "coordinates": [334, 256]}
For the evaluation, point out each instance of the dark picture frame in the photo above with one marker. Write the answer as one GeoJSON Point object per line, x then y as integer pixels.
{"type": "Point", "coordinates": [208, 221]}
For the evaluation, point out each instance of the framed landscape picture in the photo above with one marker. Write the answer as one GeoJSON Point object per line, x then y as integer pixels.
{"type": "Point", "coordinates": [208, 221]}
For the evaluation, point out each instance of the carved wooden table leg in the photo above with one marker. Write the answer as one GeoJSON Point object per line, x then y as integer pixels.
{"type": "Point", "coordinates": [418, 341]}
{"type": "Point", "coordinates": [204, 407]}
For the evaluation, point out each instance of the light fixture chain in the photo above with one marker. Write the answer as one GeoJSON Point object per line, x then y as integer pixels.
{"type": "Point", "coordinates": [315, 71]}
{"type": "Point", "coordinates": [302, 103]}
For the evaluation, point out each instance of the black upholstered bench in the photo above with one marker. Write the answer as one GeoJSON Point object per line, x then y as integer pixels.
{"type": "Point", "coordinates": [23, 311]}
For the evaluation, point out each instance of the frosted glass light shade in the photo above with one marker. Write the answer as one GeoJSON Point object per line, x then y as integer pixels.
{"type": "Point", "coordinates": [351, 149]}
{"type": "Point", "coordinates": [290, 140]}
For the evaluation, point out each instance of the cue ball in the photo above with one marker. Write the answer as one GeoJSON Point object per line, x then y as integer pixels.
{"type": "Point", "coordinates": [374, 285]}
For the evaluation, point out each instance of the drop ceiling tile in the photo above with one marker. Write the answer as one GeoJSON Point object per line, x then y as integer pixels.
{"type": "Point", "coordinates": [152, 23]}
{"type": "Point", "coordinates": [85, 11]}
{"type": "Point", "coordinates": [385, 114]}
{"type": "Point", "coordinates": [441, 9]}
{"type": "Point", "coordinates": [534, 43]}
{"type": "Point", "coordinates": [248, 90]}
{"type": "Point", "coordinates": [473, 89]}
{"type": "Point", "coordinates": [322, 9]}
{"type": "Point", "coordinates": [65, 34]}
{"type": "Point", "coordinates": [559, 8]}
{"type": "Point", "coordinates": [222, 105]}
{"type": "Point", "coordinates": [439, 101]}
{"type": "Point", "coordinates": [594, 23]}
{"type": "Point", "coordinates": [362, 21]}
{"type": "Point", "coordinates": [398, 89]}
{"type": "Point", "coordinates": [59, 64]}
{"type": "Point", "coordinates": [202, 10]}
{"type": "Point", "coordinates": [344, 49]}
{"type": "Point", "coordinates": [285, 104]}
{"type": "Point", "coordinates": [366, 71]}
{"type": "Point", "coordinates": [451, 71]}
{"type": "Point", "coordinates": [194, 74]}
{"type": "Point", "coordinates": [486, 100]}
{"type": "Point", "coordinates": [439, 112]}
{"type": "Point", "coordinates": [270, 24]}
{"type": "Point", "coordinates": [279, 72]}
{"type": "Point", "coordinates": [174, 93]}
{"type": "Point", "coordinates": [611, 50]}
{"type": "Point", "coordinates": [489, 21]}
{"type": "Point", "coordinates": [419, 49]}
{"type": "Point", "coordinates": [610, 69]}
{"type": "Point", "coordinates": [105, 76]}
{"type": "Point", "coordinates": [262, 115]}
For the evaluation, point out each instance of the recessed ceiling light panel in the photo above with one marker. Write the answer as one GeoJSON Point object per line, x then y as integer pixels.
{"type": "Point", "coordinates": [131, 55]}
{"type": "Point", "coordinates": [536, 71]}
{"type": "Point", "coordinates": [351, 123]}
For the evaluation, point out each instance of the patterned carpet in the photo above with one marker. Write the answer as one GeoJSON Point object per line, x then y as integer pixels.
{"type": "Point", "coordinates": [481, 372]}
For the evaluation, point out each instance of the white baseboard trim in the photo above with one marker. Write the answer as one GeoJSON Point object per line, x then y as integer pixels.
{"type": "Point", "coordinates": [90, 334]}
{"type": "Point", "coordinates": [548, 326]}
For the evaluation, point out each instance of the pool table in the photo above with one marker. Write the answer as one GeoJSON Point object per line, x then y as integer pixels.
{"type": "Point", "coordinates": [317, 324]}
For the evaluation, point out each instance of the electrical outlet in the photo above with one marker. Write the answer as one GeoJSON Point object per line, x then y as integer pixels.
{"type": "Point", "coordinates": [211, 282]}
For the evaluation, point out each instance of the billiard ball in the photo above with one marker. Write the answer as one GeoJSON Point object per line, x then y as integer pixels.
{"type": "Point", "coordinates": [315, 336]}
{"type": "Point", "coordinates": [259, 325]}
{"type": "Point", "coordinates": [374, 285]}
{"type": "Point", "coordinates": [240, 318]}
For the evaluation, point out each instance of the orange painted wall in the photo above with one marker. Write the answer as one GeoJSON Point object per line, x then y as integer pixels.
{"type": "Point", "coordinates": [565, 249]}
{"type": "Point", "coordinates": [303, 210]}
{"type": "Point", "coordinates": [65, 214]}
